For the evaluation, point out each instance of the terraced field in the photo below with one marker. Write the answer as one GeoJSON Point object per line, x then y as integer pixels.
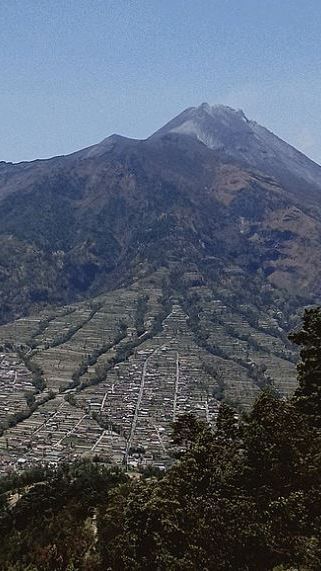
{"type": "Point", "coordinates": [107, 377]}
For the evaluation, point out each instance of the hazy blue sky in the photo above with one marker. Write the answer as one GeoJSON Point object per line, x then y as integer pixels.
{"type": "Point", "coordinates": [74, 71]}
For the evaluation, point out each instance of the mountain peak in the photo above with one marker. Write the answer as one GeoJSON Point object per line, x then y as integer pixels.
{"type": "Point", "coordinates": [111, 143]}
{"type": "Point", "coordinates": [219, 108]}
{"type": "Point", "coordinates": [211, 124]}
{"type": "Point", "coordinates": [222, 128]}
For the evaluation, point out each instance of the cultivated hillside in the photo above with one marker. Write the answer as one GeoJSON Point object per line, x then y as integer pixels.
{"type": "Point", "coordinates": [144, 279]}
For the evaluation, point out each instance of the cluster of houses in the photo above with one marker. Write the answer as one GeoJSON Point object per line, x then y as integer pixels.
{"type": "Point", "coordinates": [15, 385]}
{"type": "Point", "coordinates": [126, 417]}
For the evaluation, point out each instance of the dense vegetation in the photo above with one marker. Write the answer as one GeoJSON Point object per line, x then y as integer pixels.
{"type": "Point", "coordinates": [245, 496]}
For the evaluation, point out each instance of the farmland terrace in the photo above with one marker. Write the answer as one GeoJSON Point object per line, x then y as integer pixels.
{"type": "Point", "coordinates": [108, 377]}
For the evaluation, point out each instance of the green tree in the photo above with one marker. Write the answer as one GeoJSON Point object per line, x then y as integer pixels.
{"type": "Point", "coordinates": [307, 397]}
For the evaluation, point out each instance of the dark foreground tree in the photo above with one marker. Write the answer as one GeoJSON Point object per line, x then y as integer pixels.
{"type": "Point", "coordinates": [308, 395]}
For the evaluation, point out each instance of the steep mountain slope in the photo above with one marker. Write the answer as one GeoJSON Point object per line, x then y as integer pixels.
{"type": "Point", "coordinates": [159, 276]}
{"type": "Point", "coordinates": [199, 191]}
{"type": "Point", "coordinates": [224, 129]}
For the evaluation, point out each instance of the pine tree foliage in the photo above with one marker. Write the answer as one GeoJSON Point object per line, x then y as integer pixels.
{"type": "Point", "coordinates": [308, 395]}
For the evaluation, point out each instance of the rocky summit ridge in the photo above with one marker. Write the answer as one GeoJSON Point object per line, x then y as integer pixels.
{"type": "Point", "coordinates": [221, 127]}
